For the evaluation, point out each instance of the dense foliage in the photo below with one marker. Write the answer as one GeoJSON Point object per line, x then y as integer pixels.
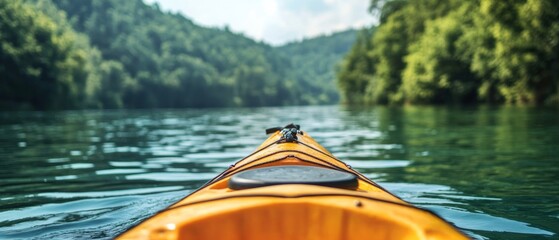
{"type": "Point", "coordinates": [482, 51]}
{"type": "Point", "coordinates": [44, 64]}
{"type": "Point", "coordinates": [60, 54]}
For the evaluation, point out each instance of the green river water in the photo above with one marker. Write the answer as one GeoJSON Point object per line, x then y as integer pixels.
{"type": "Point", "coordinates": [491, 171]}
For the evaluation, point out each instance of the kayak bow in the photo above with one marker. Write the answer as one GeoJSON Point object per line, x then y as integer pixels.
{"type": "Point", "coordinates": [292, 188]}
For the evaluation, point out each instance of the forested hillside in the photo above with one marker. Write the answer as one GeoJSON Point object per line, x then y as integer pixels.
{"type": "Point", "coordinates": [65, 54]}
{"type": "Point", "coordinates": [445, 52]}
{"type": "Point", "coordinates": [175, 63]}
{"type": "Point", "coordinates": [314, 62]}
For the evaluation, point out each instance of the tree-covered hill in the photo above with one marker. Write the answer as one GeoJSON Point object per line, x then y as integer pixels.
{"type": "Point", "coordinates": [64, 54]}
{"type": "Point", "coordinates": [446, 52]}
{"type": "Point", "coordinates": [175, 63]}
{"type": "Point", "coordinates": [314, 62]}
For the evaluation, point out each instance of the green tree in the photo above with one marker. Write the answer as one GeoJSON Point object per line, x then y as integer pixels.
{"type": "Point", "coordinates": [45, 65]}
{"type": "Point", "coordinates": [115, 84]}
{"type": "Point", "coordinates": [356, 70]}
{"type": "Point", "coordinates": [520, 62]}
{"type": "Point", "coordinates": [437, 70]}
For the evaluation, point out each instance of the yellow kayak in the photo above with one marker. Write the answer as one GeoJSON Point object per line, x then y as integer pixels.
{"type": "Point", "coordinates": [292, 188]}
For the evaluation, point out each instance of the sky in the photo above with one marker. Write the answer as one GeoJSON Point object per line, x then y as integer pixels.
{"type": "Point", "coordinates": [274, 21]}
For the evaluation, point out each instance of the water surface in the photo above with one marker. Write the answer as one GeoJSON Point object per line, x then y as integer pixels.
{"type": "Point", "coordinates": [491, 171]}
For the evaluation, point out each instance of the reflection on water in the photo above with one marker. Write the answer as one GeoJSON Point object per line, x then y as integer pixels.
{"type": "Point", "coordinates": [493, 172]}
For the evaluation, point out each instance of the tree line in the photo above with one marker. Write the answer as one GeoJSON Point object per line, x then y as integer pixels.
{"type": "Point", "coordinates": [455, 52]}
{"type": "Point", "coordinates": [65, 54]}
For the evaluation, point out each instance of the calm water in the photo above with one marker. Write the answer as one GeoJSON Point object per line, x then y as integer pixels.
{"type": "Point", "coordinates": [493, 172]}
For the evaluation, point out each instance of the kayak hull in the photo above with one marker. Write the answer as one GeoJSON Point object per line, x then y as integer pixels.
{"type": "Point", "coordinates": [292, 211]}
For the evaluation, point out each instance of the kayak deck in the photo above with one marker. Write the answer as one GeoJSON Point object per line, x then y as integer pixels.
{"type": "Point", "coordinates": [292, 211]}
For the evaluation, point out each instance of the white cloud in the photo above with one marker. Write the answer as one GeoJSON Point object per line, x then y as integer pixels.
{"type": "Point", "coordinates": [274, 21]}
